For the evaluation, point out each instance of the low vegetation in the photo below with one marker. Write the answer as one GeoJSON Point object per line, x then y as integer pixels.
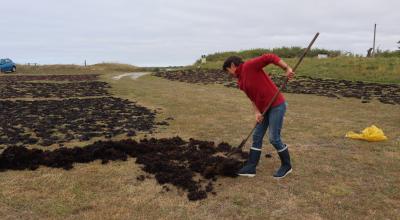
{"type": "Point", "coordinates": [75, 69]}
{"type": "Point", "coordinates": [379, 69]}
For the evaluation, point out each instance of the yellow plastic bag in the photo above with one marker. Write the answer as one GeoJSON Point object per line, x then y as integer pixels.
{"type": "Point", "coordinates": [371, 133]}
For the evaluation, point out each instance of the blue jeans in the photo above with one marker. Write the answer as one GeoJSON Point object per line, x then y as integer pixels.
{"type": "Point", "coordinates": [274, 120]}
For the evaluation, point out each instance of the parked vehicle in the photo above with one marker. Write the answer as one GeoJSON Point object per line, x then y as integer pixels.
{"type": "Point", "coordinates": [7, 65]}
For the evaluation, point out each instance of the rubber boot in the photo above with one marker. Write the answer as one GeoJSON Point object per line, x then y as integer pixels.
{"type": "Point", "coordinates": [249, 169]}
{"type": "Point", "coordinates": [286, 166]}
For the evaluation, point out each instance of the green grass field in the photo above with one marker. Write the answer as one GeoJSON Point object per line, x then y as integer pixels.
{"type": "Point", "coordinates": [381, 70]}
{"type": "Point", "coordinates": [333, 178]}
{"type": "Point", "coordinates": [75, 69]}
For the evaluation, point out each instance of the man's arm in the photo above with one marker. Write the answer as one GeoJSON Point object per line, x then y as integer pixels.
{"type": "Point", "coordinates": [255, 108]}
{"type": "Point", "coordinates": [263, 60]}
{"type": "Point", "coordinates": [259, 116]}
{"type": "Point", "coordinates": [287, 68]}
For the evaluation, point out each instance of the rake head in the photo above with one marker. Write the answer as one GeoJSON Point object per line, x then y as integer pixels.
{"type": "Point", "coordinates": [238, 149]}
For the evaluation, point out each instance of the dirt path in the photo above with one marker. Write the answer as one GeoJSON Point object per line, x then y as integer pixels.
{"type": "Point", "coordinates": [131, 75]}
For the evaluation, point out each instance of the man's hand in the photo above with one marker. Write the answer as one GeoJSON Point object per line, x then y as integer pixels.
{"type": "Point", "coordinates": [284, 66]}
{"type": "Point", "coordinates": [259, 117]}
{"type": "Point", "coordinates": [289, 73]}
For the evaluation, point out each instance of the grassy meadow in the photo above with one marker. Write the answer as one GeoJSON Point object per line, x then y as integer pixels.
{"type": "Point", "coordinates": [380, 69]}
{"type": "Point", "coordinates": [59, 69]}
{"type": "Point", "coordinates": [333, 177]}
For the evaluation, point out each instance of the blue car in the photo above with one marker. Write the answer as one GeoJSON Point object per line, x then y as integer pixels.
{"type": "Point", "coordinates": [7, 65]}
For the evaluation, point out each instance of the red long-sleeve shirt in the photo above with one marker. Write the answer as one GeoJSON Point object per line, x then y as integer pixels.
{"type": "Point", "coordinates": [257, 84]}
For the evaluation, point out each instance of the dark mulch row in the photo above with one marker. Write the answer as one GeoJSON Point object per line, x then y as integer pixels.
{"type": "Point", "coordinates": [53, 90]}
{"type": "Point", "coordinates": [192, 166]}
{"type": "Point", "coordinates": [385, 93]}
{"type": "Point", "coordinates": [48, 122]}
{"type": "Point", "coordinates": [197, 76]}
{"type": "Point", "coordinates": [20, 78]}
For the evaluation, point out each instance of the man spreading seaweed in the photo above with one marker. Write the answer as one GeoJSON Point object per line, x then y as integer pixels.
{"type": "Point", "coordinates": [260, 89]}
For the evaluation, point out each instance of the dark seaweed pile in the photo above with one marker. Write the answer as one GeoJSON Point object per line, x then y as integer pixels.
{"type": "Point", "coordinates": [20, 78]}
{"type": "Point", "coordinates": [201, 76]}
{"type": "Point", "coordinates": [47, 122]}
{"type": "Point", "coordinates": [385, 93]}
{"type": "Point", "coordinates": [53, 90]}
{"type": "Point", "coordinates": [192, 166]}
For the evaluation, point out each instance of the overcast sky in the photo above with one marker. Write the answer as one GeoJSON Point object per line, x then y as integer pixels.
{"type": "Point", "coordinates": [177, 32]}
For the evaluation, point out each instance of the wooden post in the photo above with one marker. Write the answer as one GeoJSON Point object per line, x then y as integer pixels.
{"type": "Point", "coordinates": [373, 46]}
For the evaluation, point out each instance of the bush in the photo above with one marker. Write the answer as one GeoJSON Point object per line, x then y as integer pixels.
{"type": "Point", "coordinates": [387, 53]}
{"type": "Point", "coordinates": [284, 52]}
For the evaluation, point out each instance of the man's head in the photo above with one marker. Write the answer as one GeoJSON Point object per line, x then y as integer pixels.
{"type": "Point", "coordinates": [231, 64]}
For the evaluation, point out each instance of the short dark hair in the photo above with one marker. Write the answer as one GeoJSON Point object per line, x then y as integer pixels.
{"type": "Point", "coordinates": [232, 59]}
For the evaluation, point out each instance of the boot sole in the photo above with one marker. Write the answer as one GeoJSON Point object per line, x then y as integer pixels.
{"type": "Point", "coordinates": [247, 175]}
{"type": "Point", "coordinates": [280, 177]}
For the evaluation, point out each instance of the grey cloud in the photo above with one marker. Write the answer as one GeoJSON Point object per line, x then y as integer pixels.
{"type": "Point", "coordinates": [176, 32]}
